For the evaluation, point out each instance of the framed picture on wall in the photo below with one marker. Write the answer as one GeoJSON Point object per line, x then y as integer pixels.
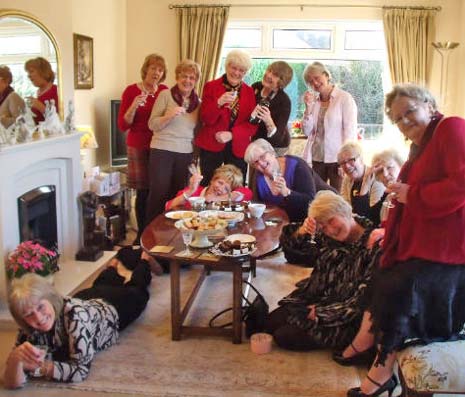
{"type": "Point", "coordinates": [83, 62]}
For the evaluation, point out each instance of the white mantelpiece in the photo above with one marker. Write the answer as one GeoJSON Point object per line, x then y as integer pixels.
{"type": "Point", "coordinates": [23, 167]}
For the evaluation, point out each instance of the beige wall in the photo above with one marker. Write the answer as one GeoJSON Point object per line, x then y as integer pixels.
{"type": "Point", "coordinates": [105, 22]}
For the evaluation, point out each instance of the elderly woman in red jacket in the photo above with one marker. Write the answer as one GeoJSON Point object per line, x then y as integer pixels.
{"type": "Point", "coordinates": [226, 106]}
{"type": "Point", "coordinates": [419, 292]}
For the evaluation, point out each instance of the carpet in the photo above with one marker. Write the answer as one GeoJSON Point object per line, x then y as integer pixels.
{"type": "Point", "coordinates": [146, 361]}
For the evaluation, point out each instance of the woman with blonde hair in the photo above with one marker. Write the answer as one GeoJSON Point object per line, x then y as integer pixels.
{"type": "Point", "coordinates": [60, 335]}
{"type": "Point", "coordinates": [227, 183]}
{"type": "Point", "coordinates": [227, 104]}
{"type": "Point", "coordinates": [326, 308]}
{"type": "Point", "coordinates": [42, 76]}
{"type": "Point", "coordinates": [134, 113]}
{"type": "Point", "coordinates": [330, 119]}
{"type": "Point", "coordinates": [174, 118]}
{"type": "Point", "coordinates": [11, 104]}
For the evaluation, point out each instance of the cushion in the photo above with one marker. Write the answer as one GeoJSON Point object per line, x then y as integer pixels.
{"type": "Point", "coordinates": [435, 367]}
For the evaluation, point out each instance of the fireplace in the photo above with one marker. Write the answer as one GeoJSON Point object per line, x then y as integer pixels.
{"type": "Point", "coordinates": [37, 216]}
{"type": "Point", "coordinates": [51, 167]}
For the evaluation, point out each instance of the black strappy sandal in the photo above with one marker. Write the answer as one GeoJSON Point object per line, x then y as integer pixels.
{"type": "Point", "coordinates": [388, 387]}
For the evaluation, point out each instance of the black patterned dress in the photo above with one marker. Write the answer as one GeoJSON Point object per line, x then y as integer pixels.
{"type": "Point", "coordinates": [82, 329]}
{"type": "Point", "coordinates": [336, 286]}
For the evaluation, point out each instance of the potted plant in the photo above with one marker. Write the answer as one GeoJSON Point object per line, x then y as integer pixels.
{"type": "Point", "coordinates": [31, 257]}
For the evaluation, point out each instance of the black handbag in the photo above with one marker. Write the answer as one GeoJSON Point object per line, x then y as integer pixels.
{"type": "Point", "coordinates": [254, 314]}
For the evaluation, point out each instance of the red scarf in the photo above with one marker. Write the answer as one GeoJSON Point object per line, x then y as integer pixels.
{"type": "Point", "coordinates": [193, 98]}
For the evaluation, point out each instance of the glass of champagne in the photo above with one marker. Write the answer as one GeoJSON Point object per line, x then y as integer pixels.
{"type": "Point", "coordinates": [187, 235]}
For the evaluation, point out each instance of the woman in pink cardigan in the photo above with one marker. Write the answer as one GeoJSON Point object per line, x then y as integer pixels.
{"type": "Point", "coordinates": [330, 120]}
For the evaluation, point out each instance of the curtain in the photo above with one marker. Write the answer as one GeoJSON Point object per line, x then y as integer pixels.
{"type": "Point", "coordinates": [201, 31]}
{"type": "Point", "coordinates": [408, 36]}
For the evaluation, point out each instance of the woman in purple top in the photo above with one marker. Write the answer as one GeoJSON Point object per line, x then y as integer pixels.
{"type": "Point", "coordinates": [287, 182]}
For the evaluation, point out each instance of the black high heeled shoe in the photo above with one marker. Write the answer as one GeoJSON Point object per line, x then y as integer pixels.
{"type": "Point", "coordinates": [360, 358]}
{"type": "Point", "coordinates": [388, 386]}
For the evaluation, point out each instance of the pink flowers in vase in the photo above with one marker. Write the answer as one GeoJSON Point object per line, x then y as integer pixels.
{"type": "Point", "coordinates": [31, 257]}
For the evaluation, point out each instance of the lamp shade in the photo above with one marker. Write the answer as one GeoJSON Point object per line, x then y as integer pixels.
{"type": "Point", "coordinates": [88, 140]}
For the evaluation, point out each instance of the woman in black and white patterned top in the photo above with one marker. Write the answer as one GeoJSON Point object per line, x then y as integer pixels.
{"type": "Point", "coordinates": [59, 336]}
{"type": "Point", "coordinates": [326, 308]}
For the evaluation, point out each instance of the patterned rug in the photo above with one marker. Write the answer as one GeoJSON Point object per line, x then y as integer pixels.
{"type": "Point", "coordinates": [146, 361]}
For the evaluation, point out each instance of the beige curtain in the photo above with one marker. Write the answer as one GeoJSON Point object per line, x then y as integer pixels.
{"type": "Point", "coordinates": [409, 34]}
{"type": "Point", "coordinates": [201, 31]}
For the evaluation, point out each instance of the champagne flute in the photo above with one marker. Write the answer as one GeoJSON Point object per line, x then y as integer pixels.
{"type": "Point", "coordinates": [187, 235]}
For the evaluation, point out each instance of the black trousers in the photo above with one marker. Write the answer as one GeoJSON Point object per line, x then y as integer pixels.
{"type": "Point", "coordinates": [210, 161]}
{"type": "Point", "coordinates": [286, 335]}
{"type": "Point", "coordinates": [129, 299]}
{"type": "Point", "coordinates": [329, 172]}
{"type": "Point", "coordinates": [168, 174]}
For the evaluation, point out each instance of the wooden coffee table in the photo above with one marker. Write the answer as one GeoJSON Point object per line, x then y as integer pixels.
{"type": "Point", "coordinates": [161, 232]}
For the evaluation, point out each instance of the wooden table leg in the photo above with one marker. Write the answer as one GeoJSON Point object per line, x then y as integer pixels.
{"type": "Point", "coordinates": [175, 278]}
{"type": "Point", "coordinates": [237, 300]}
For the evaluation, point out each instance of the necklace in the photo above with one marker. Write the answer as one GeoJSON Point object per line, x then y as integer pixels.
{"type": "Point", "coordinates": [42, 91]}
{"type": "Point", "coordinates": [149, 91]}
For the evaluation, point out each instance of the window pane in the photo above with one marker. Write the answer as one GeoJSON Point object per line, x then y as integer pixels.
{"type": "Point", "coordinates": [243, 38]}
{"type": "Point", "coordinates": [20, 45]}
{"type": "Point", "coordinates": [302, 39]}
{"type": "Point", "coordinates": [364, 40]}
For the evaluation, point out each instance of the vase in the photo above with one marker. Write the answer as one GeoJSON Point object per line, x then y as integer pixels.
{"type": "Point", "coordinates": [50, 279]}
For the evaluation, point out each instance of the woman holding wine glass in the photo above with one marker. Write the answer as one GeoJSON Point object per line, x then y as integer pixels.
{"type": "Point", "coordinates": [330, 120]}
{"type": "Point", "coordinates": [136, 105]}
{"type": "Point", "coordinates": [226, 184]}
{"type": "Point", "coordinates": [174, 118]}
{"type": "Point", "coordinates": [286, 181]}
{"type": "Point", "coordinates": [418, 293]}
{"type": "Point", "coordinates": [326, 309]}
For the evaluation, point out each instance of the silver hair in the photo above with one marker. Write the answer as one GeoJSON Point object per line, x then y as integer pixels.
{"type": "Point", "coordinates": [260, 145]}
{"type": "Point", "coordinates": [239, 58]}
{"type": "Point", "coordinates": [413, 91]}
{"type": "Point", "coordinates": [351, 147]}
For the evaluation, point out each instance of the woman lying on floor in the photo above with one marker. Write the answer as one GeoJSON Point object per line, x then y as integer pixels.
{"type": "Point", "coordinates": [326, 309]}
{"type": "Point", "coordinates": [59, 335]}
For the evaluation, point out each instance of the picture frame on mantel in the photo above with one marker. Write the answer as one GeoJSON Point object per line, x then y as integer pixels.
{"type": "Point", "coordinates": [83, 62]}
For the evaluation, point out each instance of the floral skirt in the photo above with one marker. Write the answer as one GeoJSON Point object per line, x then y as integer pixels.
{"type": "Point", "coordinates": [417, 301]}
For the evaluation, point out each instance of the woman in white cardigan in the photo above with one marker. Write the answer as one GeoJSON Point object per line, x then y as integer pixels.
{"type": "Point", "coordinates": [330, 119]}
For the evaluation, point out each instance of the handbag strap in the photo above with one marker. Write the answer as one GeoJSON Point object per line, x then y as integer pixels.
{"type": "Point", "coordinates": [244, 308]}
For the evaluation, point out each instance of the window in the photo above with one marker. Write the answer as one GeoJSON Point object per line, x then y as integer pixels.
{"type": "Point", "coordinates": [302, 39]}
{"type": "Point", "coordinates": [354, 52]}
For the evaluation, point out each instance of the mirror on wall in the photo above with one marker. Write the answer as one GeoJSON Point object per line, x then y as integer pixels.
{"type": "Point", "coordinates": [23, 37]}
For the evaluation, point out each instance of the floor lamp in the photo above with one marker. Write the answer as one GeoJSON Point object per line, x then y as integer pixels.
{"type": "Point", "coordinates": [444, 48]}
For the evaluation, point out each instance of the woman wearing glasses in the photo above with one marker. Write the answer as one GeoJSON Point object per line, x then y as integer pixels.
{"type": "Point", "coordinates": [287, 181]}
{"type": "Point", "coordinates": [420, 289]}
{"type": "Point", "coordinates": [330, 119]}
{"type": "Point", "coordinates": [359, 188]}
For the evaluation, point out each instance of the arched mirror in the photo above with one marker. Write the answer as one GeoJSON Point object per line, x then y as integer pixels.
{"type": "Point", "coordinates": [23, 37]}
